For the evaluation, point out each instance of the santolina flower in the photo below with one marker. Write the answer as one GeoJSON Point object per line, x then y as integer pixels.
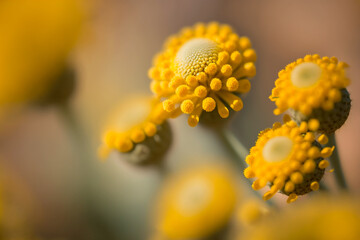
{"type": "Point", "coordinates": [203, 68]}
{"type": "Point", "coordinates": [324, 218]}
{"type": "Point", "coordinates": [314, 89]}
{"type": "Point", "coordinates": [289, 159]}
{"type": "Point", "coordinates": [196, 203]}
{"type": "Point", "coordinates": [139, 130]}
{"type": "Point", "coordinates": [36, 39]}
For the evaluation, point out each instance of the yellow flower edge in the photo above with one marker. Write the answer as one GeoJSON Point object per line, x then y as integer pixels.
{"type": "Point", "coordinates": [203, 68]}
{"type": "Point", "coordinates": [289, 158]}
{"type": "Point", "coordinates": [196, 203]}
{"type": "Point", "coordinates": [36, 39]}
{"type": "Point", "coordinates": [323, 217]}
{"type": "Point", "coordinates": [132, 123]}
{"type": "Point", "coordinates": [310, 83]}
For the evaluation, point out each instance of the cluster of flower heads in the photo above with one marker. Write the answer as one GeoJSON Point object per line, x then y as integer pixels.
{"type": "Point", "coordinates": [289, 158]}
{"type": "Point", "coordinates": [314, 90]}
{"type": "Point", "coordinates": [203, 68]}
{"type": "Point", "coordinates": [138, 127]}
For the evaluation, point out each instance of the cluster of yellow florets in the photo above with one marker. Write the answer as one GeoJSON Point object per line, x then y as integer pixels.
{"type": "Point", "coordinates": [203, 68]}
{"type": "Point", "coordinates": [138, 121]}
{"type": "Point", "coordinates": [309, 83]}
{"type": "Point", "coordinates": [288, 157]}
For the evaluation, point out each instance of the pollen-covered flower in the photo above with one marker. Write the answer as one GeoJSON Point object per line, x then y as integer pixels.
{"type": "Point", "coordinates": [138, 129]}
{"type": "Point", "coordinates": [324, 218]}
{"type": "Point", "coordinates": [36, 39]}
{"type": "Point", "coordinates": [288, 158]}
{"type": "Point", "coordinates": [203, 68]}
{"type": "Point", "coordinates": [196, 203]}
{"type": "Point", "coordinates": [314, 90]}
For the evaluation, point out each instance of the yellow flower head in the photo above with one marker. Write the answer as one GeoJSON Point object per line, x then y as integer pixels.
{"type": "Point", "coordinates": [138, 128]}
{"type": "Point", "coordinates": [314, 88]}
{"type": "Point", "coordinates": [196, 203]}
{"type": "Point", "coordinates": [202, 68]}
{"type": "Point", "coordinates": [36, 38]}
{"type": "Point", "coordinates": [324, 218]}
{"type": "Point", "coordinates": [289, 159]}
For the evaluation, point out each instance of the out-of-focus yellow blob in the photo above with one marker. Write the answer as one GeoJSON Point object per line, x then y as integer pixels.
{"type": "Point", "coordinates": [196, 203]}
{"type": "Point", "coordinates": [325, 218]}
{"type": "Point", "coordinates": [36, 39]}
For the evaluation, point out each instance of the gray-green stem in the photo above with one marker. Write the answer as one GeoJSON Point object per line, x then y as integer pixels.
{"type": "Point", "coordinates": [239, 152]}
{"type": "Point", "coordinates": [336, 164]}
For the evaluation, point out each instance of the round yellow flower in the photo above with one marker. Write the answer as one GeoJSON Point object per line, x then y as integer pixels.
{"type": "Point", "coordinates": [205, 67]}
{"type": "Point", "coordinates": [289, 159]}
{"type": "Point", "coordinates": [314, 88]}
{"type": "Point", "coordinates": [325, 218]}
{"type": "Point", "coordinates": [196, 203]}
{"type": "Point", "coordinates": [138, 128]}
{"type": "Point", "coordinates": [36, 38]}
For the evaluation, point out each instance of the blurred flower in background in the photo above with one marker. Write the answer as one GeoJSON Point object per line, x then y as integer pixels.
{"type": "Point", "coordinates": [323, 218]}
{"type": "Point", "coordinates": [36, 40]}
{"type": "Point", "coordinates": [139, 130]}
{"type": "Point", "coordinates": [196, 203]}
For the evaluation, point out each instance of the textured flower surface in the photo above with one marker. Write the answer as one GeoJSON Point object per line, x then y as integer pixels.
{"type": "Point", "coordinates": [313, 88]}
{"type": "Point", "coordinates": [203, 68]}
{"type": "Point", "coordinates": [36, 38]}
{"type": "Point", "coordinates": [288, 158]}
{"type": "Point", "coordinates": [139, 127]}
{"type": "Point", "coordinates": [324, 218]}
{"type": "Point", "coordinates": [196, 203]}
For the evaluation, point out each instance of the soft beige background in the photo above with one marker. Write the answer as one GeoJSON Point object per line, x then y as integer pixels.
{"type": "Point", "coordinates": [112, 62]}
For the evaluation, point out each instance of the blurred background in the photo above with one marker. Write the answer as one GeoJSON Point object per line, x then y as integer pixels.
{"type": "Point", "coordinates": [64, 196]}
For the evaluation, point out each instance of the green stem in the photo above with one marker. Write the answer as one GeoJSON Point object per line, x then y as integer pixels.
{"type": "Point", "coordinates": [323, 187]}
{"type": "Point", "coordinates": [239, 152]}
{"type": "Point", "coordinates": [81, 146]}
{"type": "Point", "coordinates": [336, 164]}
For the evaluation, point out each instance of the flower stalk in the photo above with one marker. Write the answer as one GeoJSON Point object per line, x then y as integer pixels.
{"type": "Point", "coordinates": [336, 164]}
{"type": "Point", "coordinates": [239, 152]}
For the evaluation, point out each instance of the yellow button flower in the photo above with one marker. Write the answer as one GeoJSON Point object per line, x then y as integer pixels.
{"type": "Point", "coordinates": [203, 68]}
{"type": "Point", "coordinates": [325, 218]}
{"type": "Point", "coordinates": [196, 203]}
{"type": "Point", "coordinates": [314, 89]}
{"type": "Point", "coordinates": [139, 129]}
{"type": "Point", "coordinates": [289, 159]}
{"type": "Point", "coordinates": [36, 38]}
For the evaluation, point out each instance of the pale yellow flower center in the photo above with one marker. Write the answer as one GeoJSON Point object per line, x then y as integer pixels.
{"type": "Point", "coordinates": [305, 74]}
{"type": "Point", "coordinates": [195, 55]}
{"type": "Point", "coordinates": [277, 149]}
{"type": "Point", "coordinates": [133, 114]}
{"type": "Point", "coordinates": [194, 197]}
